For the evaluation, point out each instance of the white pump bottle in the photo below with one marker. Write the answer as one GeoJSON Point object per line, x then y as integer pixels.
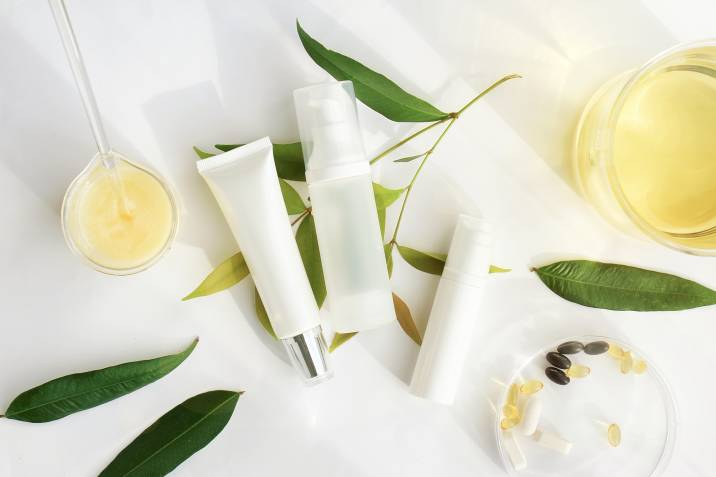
{"type": "Point", "coordinates": [341, 192]}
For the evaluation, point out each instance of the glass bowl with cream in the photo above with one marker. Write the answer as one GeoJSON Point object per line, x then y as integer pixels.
{"type": "Point", "coordinates": [118, 216]}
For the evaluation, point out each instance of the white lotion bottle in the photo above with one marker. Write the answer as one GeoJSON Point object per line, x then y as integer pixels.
{"type": "Point", "coordinates": [246, 186]}
{"type": "Point", "coordinates": [341, 191]}
{"type": "Point", "coordinates": [454, 313]}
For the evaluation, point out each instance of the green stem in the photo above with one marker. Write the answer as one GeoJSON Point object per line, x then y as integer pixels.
{"type": "Point", "coordinates": [487, 90]}
{"type": "Point", "coordinates": [453, 117]}
{"type": "Point", "coordinates": [409, 188]}
{"type": "Point", "coordinates": [305, 212]}
{"type": "Point", "coordinates": [407, 139]}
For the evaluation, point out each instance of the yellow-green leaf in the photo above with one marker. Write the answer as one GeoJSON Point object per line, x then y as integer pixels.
{"type": "Point", "coordinates": [409, 158]}
{"type": "Point", "coordinates": [373, 89]}
{"type": "Point", "coordinates": [229, 272]}
{"type": "Point", "coordinates": [388, 250]}
{"type": "Point", "coordinates": [405, 319]}
{"type": "Point", "coordinates": [496, 269]}
{"type": "Point", "coordinates": [202, 154]}
{"type": "Point", "coordinates": [339, 339]}
{"type": "Point", "coordinates": [385, 197]}
{"type": "Point", "coordinates": [425, 262]}
{"type": "Point", "coordinates": [311, 256]}
{"type": "Point", "coordinates": [292, 199]}
{"type": "Point", "coordinates": [381, 222]}
{"type": "Point", "coordinates": [262, 315]}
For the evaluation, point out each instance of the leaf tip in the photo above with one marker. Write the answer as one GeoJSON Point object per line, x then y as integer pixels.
{"type": "Point", "coordinates": [202, 154]}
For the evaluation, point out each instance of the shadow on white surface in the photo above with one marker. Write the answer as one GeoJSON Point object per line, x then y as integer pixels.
{"type": "Point", "coordinates": [40, 143]}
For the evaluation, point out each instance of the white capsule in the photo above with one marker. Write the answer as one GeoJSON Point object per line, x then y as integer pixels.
{"type": "Point", "coordinates": [514, 452]}
{"type": "Point", "coordinates": [552, 441]}
{"type": "Point", "coordinates": [530, 416]}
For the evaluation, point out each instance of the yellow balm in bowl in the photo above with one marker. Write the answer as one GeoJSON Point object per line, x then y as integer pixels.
{"type": "Point", "coordinates": [121, 219]}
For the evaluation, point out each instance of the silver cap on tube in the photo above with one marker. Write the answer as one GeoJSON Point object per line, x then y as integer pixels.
{"type": "Point", "coordinates": [309, 355]}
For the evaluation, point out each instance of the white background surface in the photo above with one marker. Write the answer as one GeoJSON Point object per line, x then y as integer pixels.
{"type": "Point", "coordinates": [172, 74]}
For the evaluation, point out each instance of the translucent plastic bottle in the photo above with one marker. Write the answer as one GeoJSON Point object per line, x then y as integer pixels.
{"type": "Point", "coordinates": [341, 192]}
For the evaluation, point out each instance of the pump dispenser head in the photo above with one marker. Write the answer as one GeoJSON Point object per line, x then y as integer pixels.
{"type": "Point", "coordinates": [329, 130]}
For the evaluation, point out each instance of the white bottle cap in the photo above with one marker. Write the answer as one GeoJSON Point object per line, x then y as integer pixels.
{"type": "Point", "coordinates": [468, 260]}
{"type": "Point", "coordinates": [453, 316]}
{"type": "Point", "coordinates": [330, 134]}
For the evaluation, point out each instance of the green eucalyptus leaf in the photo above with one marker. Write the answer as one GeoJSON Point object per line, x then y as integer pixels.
{"type": "Point", "coordinates": [288, 159]}
{"type": "Point", "coordinates": [388, 250]}
{"type": "Point", "coordinates": [77, 392]}
{"type": "Point", "coordinates": [227, 147]}
{"type": "Point", "coordinates": [621, 287]}
{"type": "Point", "coordinates": [229, 272]}
{"type": "Point", "coordinates": [372, 88]}
{"type": "Point", "coordinates": [262, 315]}
{"type": "Point", "coordinates": [425, 262]}
{"type": "Point", "coordinates": [308, 247]}
{"type": "Point", "coordinates": [202, 154]}
{"type": "Point", "coordinates": [175, 436]}
{"type": "Point", "coordinates": [433, 263]}
{"type": "Point", "coordinates": [292, 199]}
{"type": "Point", "coordinates": [405, 319]}
{"type": "Point", "coordinates": [409, 158]}
{"type": "Point", "coordinates": [339, 339]}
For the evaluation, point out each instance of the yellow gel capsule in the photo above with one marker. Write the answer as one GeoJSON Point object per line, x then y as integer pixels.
{"type": "Point", "coordinates": [531, 387]}
{"type": "Point", "coordinates": [640, 366]}
{"type": "Point", "coordinates": [507, 423]}
{"type": "Point", "coordinates": [511, 412]}
{"type": "Point", "coordinates": [513, 394]}
{"type": "Point", "coordinates": [615, 351]}
{"type": "Point", "coordinates": [578, 371]}
{"type": "Point", "coordinates": [627, 363]}
{"type": "Point", "coordinates": [614, 435]}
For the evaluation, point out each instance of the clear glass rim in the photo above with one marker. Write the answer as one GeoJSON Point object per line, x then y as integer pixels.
{"type": "Point", "coordinates": [666, 392]}
{"type": "Point", "coordinates": [613, 179]}
{"type": "Point", "coordinates": [98, 266]}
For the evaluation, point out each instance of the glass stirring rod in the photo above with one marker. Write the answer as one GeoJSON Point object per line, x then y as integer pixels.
{"type": "Point", "coordinates": [69, 41]}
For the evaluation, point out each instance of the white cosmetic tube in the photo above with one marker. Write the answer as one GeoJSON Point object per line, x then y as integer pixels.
{"type": "Point", "coordinates": [454, 313]}
{"type": "Point", "coordinates": [246, 186]}
{"type": "Point", "coordinates": [339, 183]}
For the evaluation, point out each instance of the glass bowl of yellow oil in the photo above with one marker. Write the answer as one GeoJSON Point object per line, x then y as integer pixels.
{"type": "Point", "coordinates": [616, 414]}
{"type": "Point", "coordinates": [119, 219]}
{"type": "Point", "coordinates": [645, 149]}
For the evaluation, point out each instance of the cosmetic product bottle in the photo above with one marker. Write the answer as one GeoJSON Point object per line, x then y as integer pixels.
{"type": "Point", "coordinates": [341, 190]}
{"type": "Point", "coordinates": [246, 186]}
{"type": "Point", "coordinates": [454, 313]}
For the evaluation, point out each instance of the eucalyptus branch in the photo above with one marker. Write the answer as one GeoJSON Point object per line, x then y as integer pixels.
{"type": "Point", "coordinates": [452, 118]}
{"type": "Point", "coordinates": [409, 188]}
{"type": "Point", "coordinates": [487, 90]}
{"type": "Point", "coordinates": [407, 139]}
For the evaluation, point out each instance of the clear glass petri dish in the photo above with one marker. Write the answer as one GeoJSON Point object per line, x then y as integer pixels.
{"type": "Point", "coordinates": [602, 179]}
{"type": "Point", "coordinates": [642, 405]}
{"type": "Point", "coordinates": [163, 230]}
